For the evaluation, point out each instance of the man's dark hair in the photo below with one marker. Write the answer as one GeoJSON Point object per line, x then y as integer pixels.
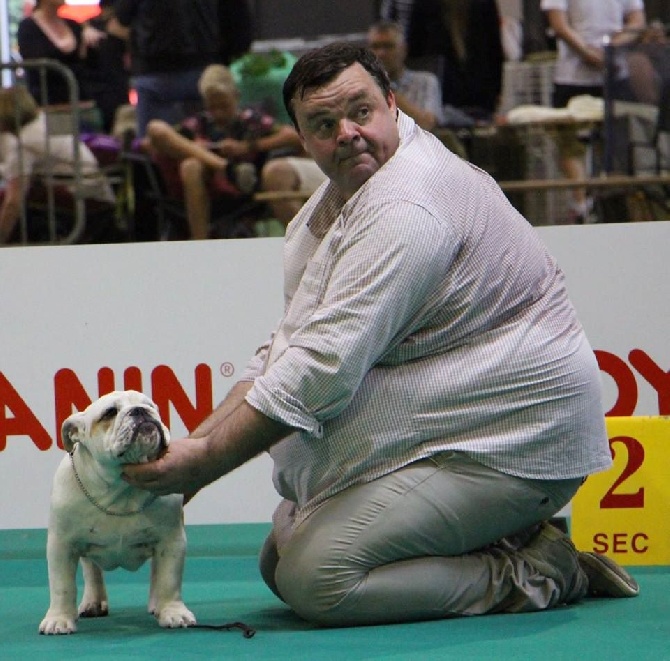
{"type": "Point", "coordinates": [320, 66]}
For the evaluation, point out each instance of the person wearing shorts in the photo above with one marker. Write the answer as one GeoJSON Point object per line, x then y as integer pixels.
{"type": "Point", "coordinates": [218, 152]}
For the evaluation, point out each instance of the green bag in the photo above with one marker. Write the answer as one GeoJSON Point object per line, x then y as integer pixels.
{"type": "Point", "coordinates": [260, 78]}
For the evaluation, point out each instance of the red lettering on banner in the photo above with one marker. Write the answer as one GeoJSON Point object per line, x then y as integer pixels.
{"type": "Point", "coordinates": [658, 379]}
{"type": "Point", "coordinates": [635, 540]}
{"type": "Point", "coordinates": [23, 422]}
{"type": "Point", "coordinates": [626, 383]}
{"type": "Point", "coordinates": [70, 396]}
{"type": "Point", "coordinates": [132, 380]}
{"type": "Point", "coordinates": [166, 389]}
{"type": "Point", "coordinates": [620, 542]}
{"type": "Point", "coordinates": [625, 380]}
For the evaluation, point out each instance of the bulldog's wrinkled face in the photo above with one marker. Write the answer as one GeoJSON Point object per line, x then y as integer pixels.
{"type": "Point", "coordinates": [122, 427]}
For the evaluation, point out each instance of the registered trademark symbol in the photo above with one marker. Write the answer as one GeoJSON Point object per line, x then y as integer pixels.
{"type": "Point", "coordinates": [227, 369]}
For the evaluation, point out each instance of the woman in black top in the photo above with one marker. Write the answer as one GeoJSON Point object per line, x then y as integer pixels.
{"type": "Point", "coordinates": [465, 34]}
{"type": "Point", "coordinates": [44, 34]}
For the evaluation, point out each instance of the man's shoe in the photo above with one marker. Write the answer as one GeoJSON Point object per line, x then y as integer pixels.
{"type": "Point", "coordinates": [606, 577]}
{"type": "Point", "coordinates": [552, 554]}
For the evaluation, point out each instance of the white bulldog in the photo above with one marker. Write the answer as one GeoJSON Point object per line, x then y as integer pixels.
{"type": "Point", "coordinates": [97, 517]}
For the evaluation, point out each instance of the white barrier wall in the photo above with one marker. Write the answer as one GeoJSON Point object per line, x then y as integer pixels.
{"type": "Point", "coordinates": [179, 321]}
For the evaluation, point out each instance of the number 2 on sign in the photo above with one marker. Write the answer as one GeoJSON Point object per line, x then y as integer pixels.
{"type": "Point", "coordinates": [635, 458]}
{"type": "Point", "coordinates": [623, 512]}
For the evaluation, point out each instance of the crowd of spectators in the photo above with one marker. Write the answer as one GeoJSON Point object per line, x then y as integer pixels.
{"type": "Point", "coordinates": [444, 58]}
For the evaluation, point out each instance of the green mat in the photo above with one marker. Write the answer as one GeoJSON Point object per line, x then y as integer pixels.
{"type": "Point", "coordinates": [222, 584]}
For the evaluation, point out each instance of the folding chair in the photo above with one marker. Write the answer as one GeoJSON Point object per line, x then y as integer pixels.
{"type": "Point", "coordinates": [159, 197]}
{"type": "Point", "coordinates": [636, 129]}
{"type": "Point", "coordinates": [658, 143]}
{"type": "Point", "coordinates": [157, 213]}
{"type": "Point", "coordinates": [637, 114]}
{"type": "Point", "coordinates": [56, 209]}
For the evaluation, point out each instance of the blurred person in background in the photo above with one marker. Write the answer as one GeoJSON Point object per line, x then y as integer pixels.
{"type": "Point", "coordinates": [28, 151]}
{"type": "Point", "coordinates": [106, 69]}
{"type": "Point", "coordinates": [580, 27]}
{"type": "Point", "coordinates": [218, 152]}
{"type": "Point", "coordinates": [417, 93]}
{"type": "Point", "coordinates": [398, 11]}
{"type": "Point", "coordinates": [44, 34]}
{"type": "Point", "coordinates": [171, 43]}
{"type": "Point", "coordinates": [466, 35]}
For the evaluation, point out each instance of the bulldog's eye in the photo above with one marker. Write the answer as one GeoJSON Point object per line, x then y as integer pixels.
{"type": "Point", "coordinates": [109, 414]}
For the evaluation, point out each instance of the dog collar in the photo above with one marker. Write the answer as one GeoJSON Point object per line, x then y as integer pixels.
{"type": "Point", "coordinates": [97, 505]}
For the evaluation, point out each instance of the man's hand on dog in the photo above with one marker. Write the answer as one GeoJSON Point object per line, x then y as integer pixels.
{"type": "Point", "coordinates": [182, 468]}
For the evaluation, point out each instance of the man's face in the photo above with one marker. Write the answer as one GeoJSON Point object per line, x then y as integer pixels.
{"type": "Point", "coordinates": [390, 48]}
{"type": "Point", "coordinates": [222, 106]}
{"type": "Point", "coordinates": [348, 127]}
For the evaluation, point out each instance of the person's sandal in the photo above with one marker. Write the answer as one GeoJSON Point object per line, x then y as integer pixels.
{"type": "Point", "coordinates": [606, 577]}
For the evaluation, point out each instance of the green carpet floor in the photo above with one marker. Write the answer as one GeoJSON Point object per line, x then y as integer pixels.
{"type": "Point", "coordinates": [222, 584]}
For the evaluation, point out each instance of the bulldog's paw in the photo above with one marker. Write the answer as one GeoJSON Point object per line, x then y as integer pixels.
{"type": "Point", "coordinates": [93, 609]}
{"type": "Point", "coordinates": [175, 615]}
{"type": "Point", "coordinates": [58, 623]}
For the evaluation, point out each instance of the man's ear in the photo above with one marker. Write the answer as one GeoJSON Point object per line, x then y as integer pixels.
{"type": "Point", "coordinates": [71, 431]}
{"type": "Point", "coordinates": [391, 102]}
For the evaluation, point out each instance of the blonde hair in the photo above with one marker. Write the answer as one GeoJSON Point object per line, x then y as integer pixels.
{"type": "Point", "coordinates": [217, 78]}
{"type": "Point", "coordinates": [17, 108]}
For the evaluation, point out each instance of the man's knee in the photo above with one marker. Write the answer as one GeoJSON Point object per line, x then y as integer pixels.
{"type": "Point", "coordinates": [314, 579]}
{"type": "Point", "coordinates": [267, 563]}
{"type": "Point", "coordinates": [312, 595]}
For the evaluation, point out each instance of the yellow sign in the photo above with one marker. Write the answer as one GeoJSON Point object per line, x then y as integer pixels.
{"type": "Point", "coordinates": [624, 513]}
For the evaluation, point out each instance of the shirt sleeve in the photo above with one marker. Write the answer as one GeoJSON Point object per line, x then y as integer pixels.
{"type": "Point", "coordinates": [373, 293]}
{"type": "Point", "coordinates": [256, 364]}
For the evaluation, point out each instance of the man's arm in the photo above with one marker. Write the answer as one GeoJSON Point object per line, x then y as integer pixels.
{"type": "Point", "coordinates": [231, 401]}
{"type": "Point", "coordinates": [558, 21]}
{"type": "Point", "coordinates": [232, 435]}
{"type": "Point", "coordinates": [633, 24]}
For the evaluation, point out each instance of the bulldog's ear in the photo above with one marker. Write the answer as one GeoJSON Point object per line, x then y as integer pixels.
{"type": "Point", "coordinates": [71, 431]}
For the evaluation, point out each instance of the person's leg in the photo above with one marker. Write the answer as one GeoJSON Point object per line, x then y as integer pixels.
{"type": "Point", "coordinates": [572, 152]}
{"type": "Point", "coordinates": [298, 175]}
{"type": "Point", "coordinates": [164, 139]}
{"type": "Point", "coordinates": [572, 162]}
{"type": "Point", "coordinates": [416, 544]}
{"type": "Point", "coordinates": [194, 176]}
{"type": "Point", "coordinates": [278, 176]}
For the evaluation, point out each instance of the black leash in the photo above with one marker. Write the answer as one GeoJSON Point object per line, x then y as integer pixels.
{"type": "Point", "coordinates": [247, 631]}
